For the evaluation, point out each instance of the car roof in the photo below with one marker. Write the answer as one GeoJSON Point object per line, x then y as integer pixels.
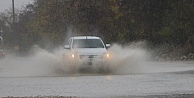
{"type": "Point", "coordinates": [85, 37]}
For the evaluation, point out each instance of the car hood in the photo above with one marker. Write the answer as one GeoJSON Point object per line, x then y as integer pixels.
{"type": "Point", "coordinates": [90, 51]}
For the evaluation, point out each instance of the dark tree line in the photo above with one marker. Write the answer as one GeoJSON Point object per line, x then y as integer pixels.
{"type": "Point", "coordinates": [121, 21]}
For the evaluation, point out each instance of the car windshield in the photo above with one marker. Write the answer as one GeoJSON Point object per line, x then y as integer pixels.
{"type": "Point", "coordinates": [87, 43]}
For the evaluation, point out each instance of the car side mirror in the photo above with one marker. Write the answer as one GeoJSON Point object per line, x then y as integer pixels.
{"type": "Point", "coordinates": [107, 45]}
{"type": "Point", "coordinates": [66, 47]}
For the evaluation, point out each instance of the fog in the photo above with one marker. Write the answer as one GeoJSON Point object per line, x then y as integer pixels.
{"type": "Point", "coordinates": [130, 59]}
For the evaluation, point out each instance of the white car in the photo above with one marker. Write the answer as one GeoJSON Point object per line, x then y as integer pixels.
{"type": "Point", "coordinates": [87, 50]}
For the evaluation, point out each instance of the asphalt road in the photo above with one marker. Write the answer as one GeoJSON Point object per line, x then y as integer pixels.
{"type": "Point", "coordinates": [156, 79]}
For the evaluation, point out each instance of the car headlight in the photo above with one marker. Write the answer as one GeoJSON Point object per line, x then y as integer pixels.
{"type": "Point", "coordinates": [73, 55]}
{"type": "Point", "coordinates": [107, 56]}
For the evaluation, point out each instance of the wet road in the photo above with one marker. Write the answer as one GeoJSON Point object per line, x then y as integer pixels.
{"type": "Point", "coordinates": [161, 79]}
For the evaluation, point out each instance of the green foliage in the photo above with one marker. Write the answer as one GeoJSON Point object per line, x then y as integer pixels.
{"type": "Point", "coordinates": [158, 21]}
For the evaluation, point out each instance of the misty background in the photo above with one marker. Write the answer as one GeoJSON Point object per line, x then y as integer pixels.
{"type": "Point", "coordinates": [7, 4]}
{"type": "Point", "coordinates": [166, 26]}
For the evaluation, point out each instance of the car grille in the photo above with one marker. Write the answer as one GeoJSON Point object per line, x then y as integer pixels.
{"type": "Point", "coordinates": [90, 56]}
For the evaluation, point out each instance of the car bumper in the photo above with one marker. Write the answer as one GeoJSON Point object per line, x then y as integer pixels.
{"type": "Point", "coordinates": [93, 61]}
